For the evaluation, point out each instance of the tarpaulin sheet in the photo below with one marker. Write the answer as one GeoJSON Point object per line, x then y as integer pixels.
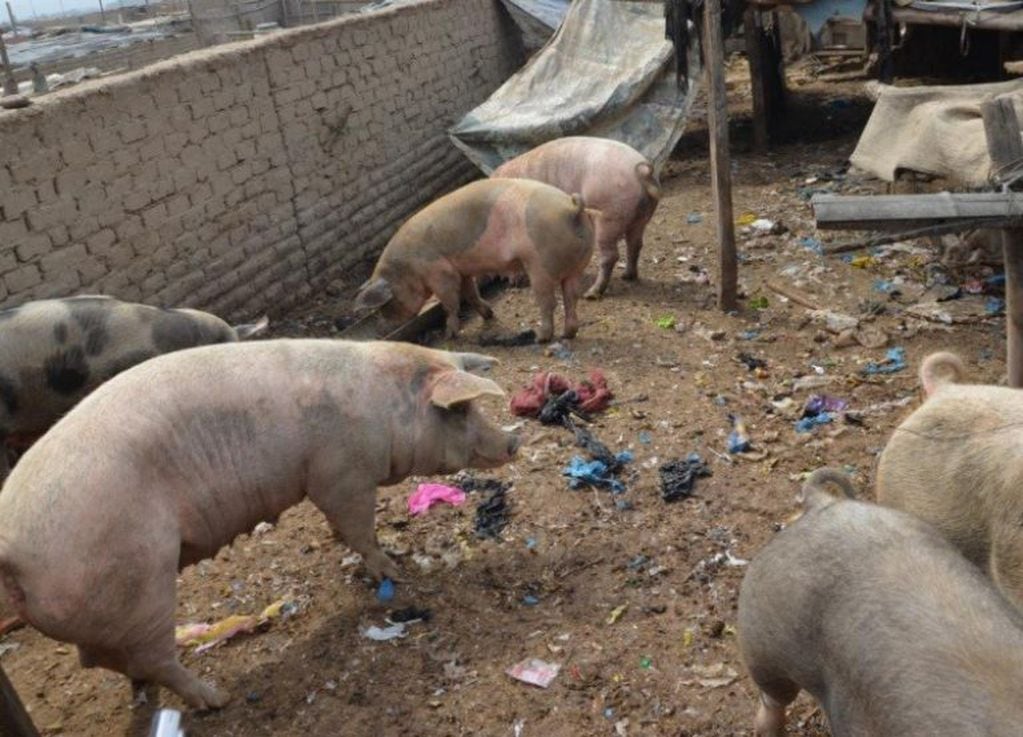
{"type": "Point", "coordinates": [933, 130]}
{"type": "Point", "coordinates": [608, 72]}
{"type": "Point", "coordinates": [537, 19]}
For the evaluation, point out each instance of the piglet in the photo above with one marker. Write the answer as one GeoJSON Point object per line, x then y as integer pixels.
{"type": "Point", "coordinates": [53, 352]}
{"type": "Point", "coordinates": [492, 226]}
{"type": "Point", "coordinates": [169, 461]}
{"type": "Point", "coordinates": [882, 621]}
{"type": "Point", "coordinates": [957, 462]}
{"type": "Point", "coordinates": [614, 179]}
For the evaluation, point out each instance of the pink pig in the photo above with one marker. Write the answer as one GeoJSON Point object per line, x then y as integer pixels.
{"type": "Point", "coordinates": [613, 178]}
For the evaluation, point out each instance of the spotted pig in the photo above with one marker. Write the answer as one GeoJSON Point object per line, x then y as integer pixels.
{"type": "Point", "coordinates": [53, 352]}
{"type": "Point", "coordinates": [172, 459]}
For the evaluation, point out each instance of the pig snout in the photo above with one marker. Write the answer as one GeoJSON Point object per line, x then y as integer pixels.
{"type": "Point", "coordinates": [493, 447]}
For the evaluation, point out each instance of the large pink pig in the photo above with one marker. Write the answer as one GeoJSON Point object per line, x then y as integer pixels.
{"type": "Point", "coordinates": [492, 226]}
{"type": "Point", "coordinates": [172, 459]}
{"type": "Point", "coordinates": [613, 178]}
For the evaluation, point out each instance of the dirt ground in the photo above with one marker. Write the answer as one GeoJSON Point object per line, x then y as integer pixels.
{"type": "Point", "coordinates": [567, 559]}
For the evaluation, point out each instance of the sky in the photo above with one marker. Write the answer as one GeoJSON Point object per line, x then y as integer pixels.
{"type": "Point", "coordinates": [23, 9]}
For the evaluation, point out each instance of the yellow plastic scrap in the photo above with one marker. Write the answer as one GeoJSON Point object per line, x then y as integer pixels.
{"type": "Point", "coordinates": [617, 613]}
{"type": "Point", "coordinates": [205, 636]}
{"type": "Point", "coordinates": [863, 262]}
{"type": "Point", "coordinates": [747, 218]}
{"type": "Point", "coordinates": [687, 637]}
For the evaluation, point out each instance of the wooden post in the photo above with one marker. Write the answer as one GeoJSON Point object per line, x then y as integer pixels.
{"type": "Point", "coordinates": [1006, 149]}
{"type": "Point", "coordinates": [14, 720]}
{"type": "Point", "coordinates": [720, 162]}
{"type": "Point", "coordinates": [752, 32]}
{"type": "Point", "coordinates": [10, 84]}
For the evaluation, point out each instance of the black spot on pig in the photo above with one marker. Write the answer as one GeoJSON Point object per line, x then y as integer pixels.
{"type": "Point", "coordinates": [60, 332]}
{"type": "Point", "coordinates": [92, 316]}
{"type": "Point", "coordinates": [8, 394]}
{"type": "Point", "coordinates": [419, 380]}
{"type": "Point", "coordinates": [126, 361]}
{"type": "Point", "coordinates": [8, 314]}
{"type": "Point", "coordinates": [66, 371]}
{"type": "Point", "coordinates": [173, 331]}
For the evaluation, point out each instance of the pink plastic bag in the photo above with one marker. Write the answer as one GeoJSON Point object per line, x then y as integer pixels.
{"type": "Point", "coordinates": [427, 495]}
{"type": "Point", "coordinates": [535, 672]}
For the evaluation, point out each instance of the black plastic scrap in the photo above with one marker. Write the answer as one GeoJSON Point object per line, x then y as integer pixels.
{"type": "Point", "coordinates": [559, 410]}
{"type": "Point", "coordinates": [492, 510]}
{"type": "Point", "coordinates": [751, 362]}
{"type": "Point", "coordinates": [678, 477]}
{"type": "Point", "coordinates": [597, 450]}
{"type": "Point", "coordinates": [526, 337]}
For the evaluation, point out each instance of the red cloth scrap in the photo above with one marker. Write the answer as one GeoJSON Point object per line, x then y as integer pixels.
{"type": "Point", "coordinates": [594, 396]}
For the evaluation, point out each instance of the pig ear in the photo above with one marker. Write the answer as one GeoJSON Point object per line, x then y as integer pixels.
{"type": "Point", "coordinates": [457, 387]}
{"type": "Point", "coordinates": [475, 362]}
{"type": "Point", "coordinates": [373, 294]}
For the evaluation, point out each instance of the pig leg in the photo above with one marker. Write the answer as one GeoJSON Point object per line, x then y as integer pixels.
{"type": "Point", "coordinates": [606, 242]}
{"type": "Point", "coordinates": [633, 245]}
{"type": "Point", "coordinates": [447, 285]}
{"type": "Point", "coordinates": [471, 294]}
{"type": "Point", "coordinates": [770, 719]}
{"type": "Point", "coordinates": [350, 507]}
{"type": "Point", "coordinates": [570, 289]}
{"type": "Point", "coordinates": [543, 293]}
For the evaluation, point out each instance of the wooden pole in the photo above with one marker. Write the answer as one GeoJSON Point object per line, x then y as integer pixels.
{"type": "Point", "coordinates": [14, 720]}
{"type": "Point", "coordinates": [1006, 149]}
{"type": "Point", "coordinates": [720, 162]}
{"type": "Point", "coordinates": [751, 21]}
{"type": "Point", "coordinates": [10, 84]}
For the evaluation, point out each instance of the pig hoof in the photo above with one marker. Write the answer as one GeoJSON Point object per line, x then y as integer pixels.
{"type": "Point", "coordinates": [208, 698]}
{"type": "Point", "coordinates": [381, 567]}
{"type": "Point", "coordinates": [570, 333]}
{"type": "Point", "coordinates": [593, 294]}
{"type": "Point", "coordinates": [630, 275]}
{"type": "Point", "coordinates": [487, 312]}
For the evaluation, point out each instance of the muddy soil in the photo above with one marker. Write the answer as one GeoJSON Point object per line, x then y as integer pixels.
{"type": "Point", "coordinates": [666, 662]}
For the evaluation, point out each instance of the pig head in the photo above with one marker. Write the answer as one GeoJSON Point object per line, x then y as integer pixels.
{"type": "Point", "coordinates": [957, 463]}
{"type": "Point", "coordinates": [874, 614]}
{"type": "Point", "coordinates": [172, 459]}
{"type": "Point", "coordinates": [54, 352]}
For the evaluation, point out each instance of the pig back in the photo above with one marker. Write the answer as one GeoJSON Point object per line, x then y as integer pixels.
{"type": "Point", "coordinates": [54, 352]}
{"type": "Point", "coordinates": [882, 621]}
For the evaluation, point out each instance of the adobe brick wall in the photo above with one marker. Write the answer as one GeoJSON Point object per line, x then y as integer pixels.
{"type": "Point", "coordinates": [242, 179]}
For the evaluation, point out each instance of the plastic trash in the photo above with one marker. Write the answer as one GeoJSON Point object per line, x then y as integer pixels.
{"type": "Point", "coordinates": [384, 634]}
{"type": "Point", "coordinates": [895, 360]}
{"type": "Point", "coordinates": [667, 322]}
{"type": "Point", "coordinates": [678, 477]}
{"type": "Point", "coordinates": [812, 244]}
{"type": "Point", "coordinates": [427, 495]}
{"type": "Point", "coordinates": [535, 672]}
{"type": "Point", "coordinates": [738, 440]}
{"type": "Point", "coordinates": [807, 424]}
{"type": "Point", "coordinates": [385, 591]}
{"type": "Point", "coordinates": [818, 403]}
{"type": "Point", "coordinates": [206, 636]}
{"type": "Point", "coordinates": [694, 217]}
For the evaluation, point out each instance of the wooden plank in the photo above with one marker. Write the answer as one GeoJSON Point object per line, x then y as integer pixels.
{"type": "Point", "coordinates": [14, 720]}
{"type": "Point", "coordinates": [720, 162]}
{"type": "Point", "coordinates": [897, 212]}
{"type": "Point", "coordinates": [982, 21]}
{"type": "Point", "coordinates": [1005, 147]}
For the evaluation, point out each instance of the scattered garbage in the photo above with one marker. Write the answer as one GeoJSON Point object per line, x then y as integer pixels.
{"type": "Point", "coordinates": [596, 473]}
{"type": "Point", "coordinates": [492, 511]}
{"type": "Point", "coordinates": [812, 244]}
{"type": "Point", "coordinates": [751, 362]}
{"type": "Point", "coordinates": [738, 440]}
{"type": "Point", "coordinates": [717, 675]}
{"type": "Point", "coordinates": [759, 303]}
{"type": "Point", "coordinates": [835, 322]}
{"type": "Point", "coordinates": [747, 218]}
{"type": "Point", "coordinates": [526, 337]}
{"type": "Point", "coordinates": [807, 424]}
{"type": "Point", "coordinates": [206, 636]}
{"type": "Point", "coordinates": [863, 262]}
{"type": "Point", "coordinates": [617, 613]}
{"type": "Point", "coordinates": [427, 495]}
{"type": "Point", "coordinates": [748, 335]}
{"type": "Point", "coordinates": [667, 322]}
{"type": "Point", "coordinates": [586, 397]}
{"type": "Point", "coordinates": [895, 360]}
{"type": "Point", "coordinates": [383, 634]}
{"type": "Point", "coordinates": [678, 477]}
{"type": "Point", "coordinates": [763, 226]}
{"type": "Point", "coordinates": [694, 217]}
{"type": "Point", "coordinates": [818, 403]}
{"type": "Point", "coordinates": [534, 671]}
{"type": "Point", "coordinates": [994, 305]}
{"type": "Point", "coordinates": [385, 591]}
{"type": "Point", "coordinates": [409, 614]}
